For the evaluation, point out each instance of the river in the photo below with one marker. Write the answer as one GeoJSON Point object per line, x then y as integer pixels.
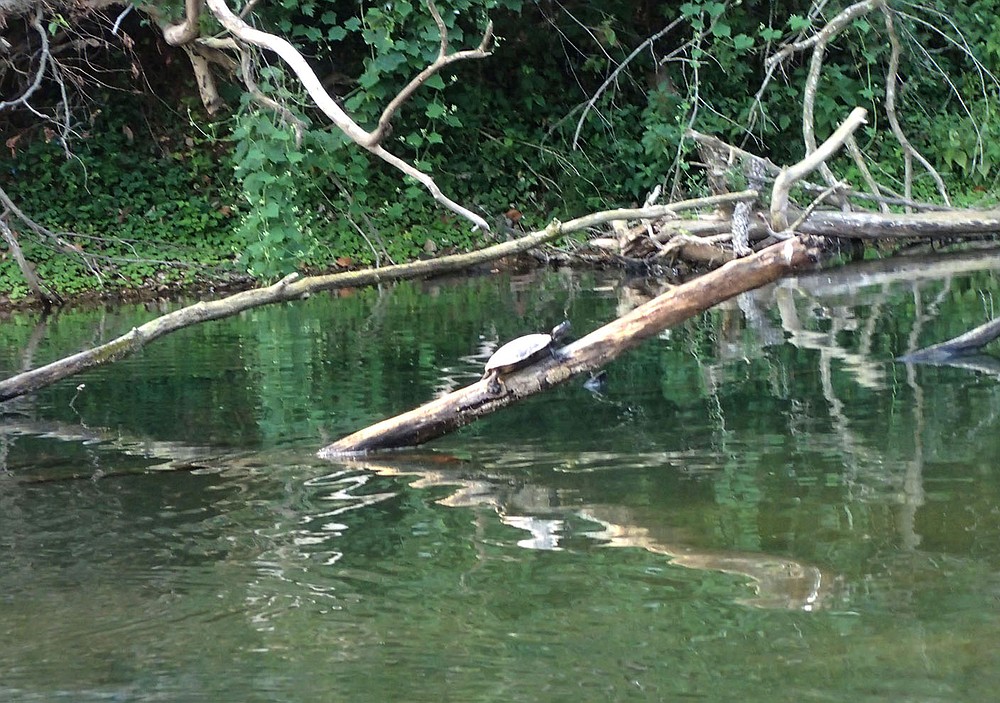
{"type": "Point", "coordinates": [758, 505]}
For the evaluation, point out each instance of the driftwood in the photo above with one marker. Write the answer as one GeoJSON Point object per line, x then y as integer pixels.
{"type": "Point", "coordinates": [293, 287]}
{"type": "Point", "coordinates": [957, 349]}
{"type": "Point", "coordinates": [760, 218]}
{"type": "Point", "coordinates": [290, 288]}
{"type": "Point", "coordinates": [873, 225]}
{"type": "Point", "coordinates": [713, 230]}
{"type": "Point", "coordinates": [591, 352]}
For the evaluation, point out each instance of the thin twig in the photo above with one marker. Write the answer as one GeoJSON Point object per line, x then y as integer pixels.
{"type": "Point", "coordinates": [892, 77]}
{"type": "Point", "coordinates": [614, 75]}
{"type": "Point", "coordinates": [44, 58]}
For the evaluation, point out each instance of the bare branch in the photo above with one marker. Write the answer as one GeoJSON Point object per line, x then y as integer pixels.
{"type": "Point", "coordinates": [187, 31]}
{"type": "Point", "coordinates": [205, 79]}
{"type": "Point", "coordinates": [817, 201]}
{"type": "Point", "coordinates": [830, 30]}
{"type": "Point", "coordinates": [44, 58]}
{"type": "Point", "coordinates": [891, 78]}
{"type": "Point", "coordinates": [293, 288]}
{"type": "Point", "coordinates": [27, 270]}
{"type": "Point", "coordinates": [818, 40]}
{"type": "Point", "coordinates": [56, 240]}
{"type": "Point", "coordinates": [859, 160]}
{"type": "Point", "coordinates": [784, 182]}
{"type": "Point", "coordinates": [767, 167]}
{"type": "Point", "coordinates": [614, 75]}
{"type": "Point", "coordinates": [311, 82]}
{"type": "Point", "coordinates": [443, 59]}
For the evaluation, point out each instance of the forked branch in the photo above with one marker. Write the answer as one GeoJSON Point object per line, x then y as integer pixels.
{"type": "Point", "coordinates": [909, 152]}
{"type": "Point", "coordinates": [369, 140]}
{"type": "Point", "coordinates": [789, 176]}
{"type": "Point", "coordinates": [443, 59]}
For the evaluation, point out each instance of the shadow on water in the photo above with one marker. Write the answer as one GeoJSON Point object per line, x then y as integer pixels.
{"type": "Point", "coordinates": [758, 505]}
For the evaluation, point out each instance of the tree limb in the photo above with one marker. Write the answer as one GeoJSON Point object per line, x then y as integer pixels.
{"type": "Point", "coordinates": [466, 405]}
{"type": "Point", "coordinates": [44, 58]}
{"type": "Point", "coordinates": [443, 59]}
{"type": "Point", "coordinates": [292, 289]}
{"type": "Point", "coordinates": [960, 346]}
{"type": "Point", "coordinates": [204, 78]}
{"type": "Point", "coordinates": [648, 41]}
{"type": "Point", "coordinates": [830, 30]}
{"type": "Point", "coordinates": [30, 277]}
{"type": "Point", "coordinates": [187, 31]}
{"type": "Point", "coordinates": [909, 152]}
{"type": "Point", "coordinates": [784, 182]}
{"type": "Point", "coordinates": [872, 225]}
{"type": "Point", "coordinates": [355, 132]}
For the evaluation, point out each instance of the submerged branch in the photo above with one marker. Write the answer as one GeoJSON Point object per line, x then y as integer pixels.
{"type": "Point", "coordinates": [957, 348]}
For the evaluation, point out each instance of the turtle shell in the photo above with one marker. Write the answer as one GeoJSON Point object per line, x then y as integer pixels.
{"type": "Point", "coordinates": [519, 352]}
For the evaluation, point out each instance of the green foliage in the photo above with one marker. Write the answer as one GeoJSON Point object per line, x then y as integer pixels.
{"type": "Point", "coordinates": [267, 164]}
{"type": "Point", "coordinates": [137, 203]}
{"type": "Point", "coordinates": [509, 129]}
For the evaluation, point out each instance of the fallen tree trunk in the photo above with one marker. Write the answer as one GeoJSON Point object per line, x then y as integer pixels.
{"type": "Point", "coordinates": [293, 288]}
{"type": "Point", "coordinates": [873, 225]}
{"type": "Point", "coordinates": [591, 352]}
{"type": "Point", "coordinates": [761, 220]}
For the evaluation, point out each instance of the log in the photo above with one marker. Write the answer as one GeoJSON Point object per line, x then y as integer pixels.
{"type": "Point", "coordinates": [874, 225]}
{"type": "Point", "coordinates": [292, 287]}
{"type": "Point", "coordinates": [589, 353]}
{"type": "Point", "coordinates": [961, 346]}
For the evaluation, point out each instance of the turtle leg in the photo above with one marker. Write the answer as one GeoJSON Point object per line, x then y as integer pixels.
{"type": "Point", "coordinates": [493, 383]}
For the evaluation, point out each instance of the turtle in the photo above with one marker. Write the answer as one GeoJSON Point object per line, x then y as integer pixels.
{"type": "Point", "coordinates": [521, 352]}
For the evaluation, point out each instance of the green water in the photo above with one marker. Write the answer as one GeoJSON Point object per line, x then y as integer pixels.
{"type": "Point", "coordinates": [760, 505]}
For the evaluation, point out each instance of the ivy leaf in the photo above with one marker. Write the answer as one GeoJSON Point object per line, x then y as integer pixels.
{"type": "Point", "coordinates": [715, 9]}
{"type": "Point", "coordinates": [797, 23]}
{"type": "Point", "coordinates": [770, 34]}
{"type": "Point", "coordinates": [690, 9]}
{"type": "Point", "coordinates": [742, 42]}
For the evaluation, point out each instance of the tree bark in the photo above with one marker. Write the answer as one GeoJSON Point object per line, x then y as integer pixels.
{"type": "Point", "coordinates": [593, 351]}
{"type": "Point", "coordinates": [874, 225]}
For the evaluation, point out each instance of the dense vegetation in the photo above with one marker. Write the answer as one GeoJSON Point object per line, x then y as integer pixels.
{"type": "Point", "coordinates": [144, 176]}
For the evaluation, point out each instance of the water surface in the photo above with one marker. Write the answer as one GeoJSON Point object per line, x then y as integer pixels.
{"type": "Point", "coordinates": [759, 505]}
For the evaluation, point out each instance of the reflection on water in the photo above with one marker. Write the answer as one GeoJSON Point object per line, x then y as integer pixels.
{"type": "Point", "coordinates": [757, 505]}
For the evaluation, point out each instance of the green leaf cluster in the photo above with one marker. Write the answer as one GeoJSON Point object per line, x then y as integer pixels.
{"type": "Point", "coordinates": [548, 123]}
{"type": "Point", "coordinates": [145, 200]}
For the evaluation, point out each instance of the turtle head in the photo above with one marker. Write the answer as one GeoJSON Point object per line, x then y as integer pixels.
{"type": "Point", "coordinates": [560, 330]}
